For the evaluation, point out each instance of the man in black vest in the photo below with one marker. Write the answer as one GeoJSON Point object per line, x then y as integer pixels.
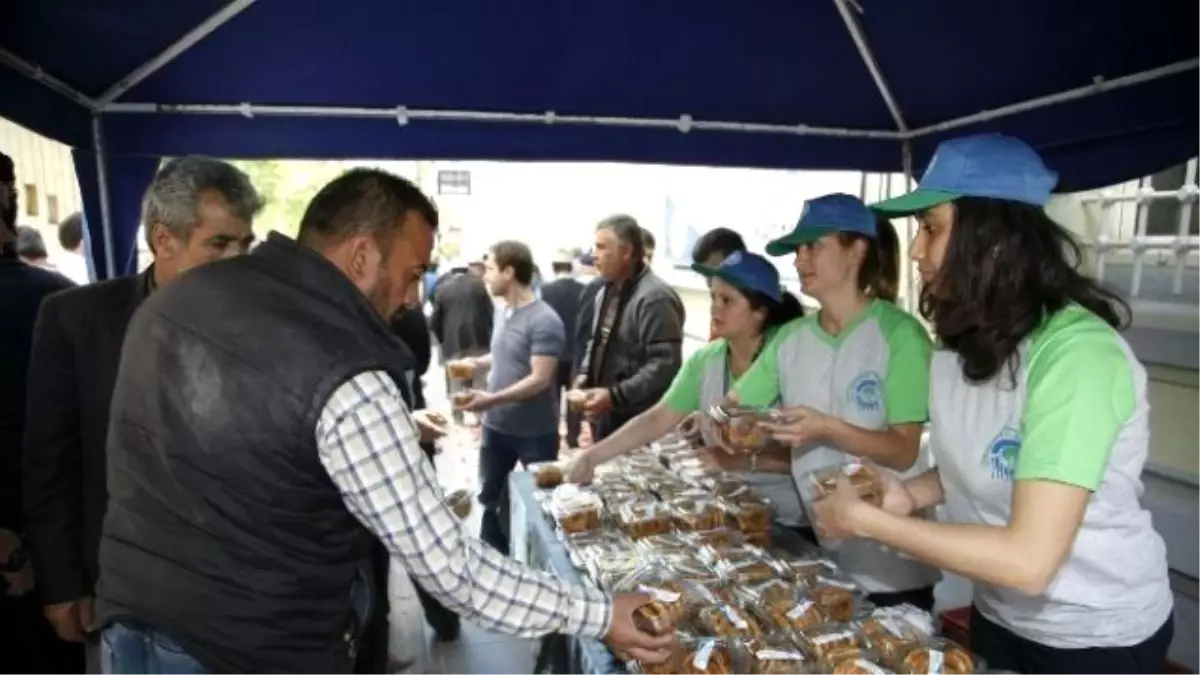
{"type": "Point", "coordinates": [258, 440]}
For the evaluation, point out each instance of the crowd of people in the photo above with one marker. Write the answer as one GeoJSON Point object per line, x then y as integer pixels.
{"type": "Point", "coordinates": [209, 466]}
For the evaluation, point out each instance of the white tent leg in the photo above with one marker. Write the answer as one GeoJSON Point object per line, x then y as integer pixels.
{"type": "Point", "coordinates": [110, 264]}
{"type": "Point", "coordinates": [864, 51]}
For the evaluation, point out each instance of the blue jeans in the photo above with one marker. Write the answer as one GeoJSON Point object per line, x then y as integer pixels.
{"type": "Point", "coordinates": [134, 648]}
{"type": "Point", "coordinates": [499, 454]}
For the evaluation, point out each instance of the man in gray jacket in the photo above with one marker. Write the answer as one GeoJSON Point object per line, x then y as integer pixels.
{"type": "Point", "coordinates": [636, 341]}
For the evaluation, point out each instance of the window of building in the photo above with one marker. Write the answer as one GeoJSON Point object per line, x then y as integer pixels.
{"type": "Point", "coordinates": [31, 199]}
{"type": "Point", "coordinates": [52, 209]}
{"type": "Point", "coordinates": [454, 182]}
{"type": "Point", "coordinates": [1163, 214]}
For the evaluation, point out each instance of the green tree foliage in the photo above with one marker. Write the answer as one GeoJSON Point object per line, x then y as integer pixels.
{"type": "Point", "coordinates": [287, 186]}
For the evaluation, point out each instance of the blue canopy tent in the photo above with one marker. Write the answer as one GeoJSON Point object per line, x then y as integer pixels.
{"type": "Point", "coordinates": [1106, 90]}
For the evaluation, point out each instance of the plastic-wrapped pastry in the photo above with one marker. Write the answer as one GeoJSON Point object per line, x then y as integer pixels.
{"type": "Point", "coordinates": [547, 474]}
{"type": "Point", "coordinates": [940, 656]}
{"type": "Point", "coordinates": [805, 570]}
{"type": "Point", "coordinates": [863, 476]}
{"type": "Point", "coordinates": [761, 539]}
{"type": "Point", "coordinates": [747, 514]}
{"type": "Point", "coordinates": [745, 568]}
{"type": "Point", "coordinates": [719, 538]}
{"type": "Point", "coordinates": [862, 664]}
{"type": "Point", "coordinates": [894, 631]}
{"type": "Point", "coordinates": [832, 643]}
{"type": "Point", "coordinates": [696, 514]}
{"type": "Point", "coordinates": [737, 427]}
{"type": "Point", "coordinates": [802, 616]}
{"type": "Point", "coordinates": [840, 601]}
{"type": "Point", "coordinates": [777, 656]}
{"type": "Point", "coordinates": [708, 657]}
{"type": "Point", "coordinates": [645, 518]}
{"type": "Point", "coordinates": [672, 599]}
{"type": "Point", "coordinates": [575, 509]}
{"type": "Point", "coordinates": [729, 621]}
{"type": "Point", "coordinates": [770, 593]}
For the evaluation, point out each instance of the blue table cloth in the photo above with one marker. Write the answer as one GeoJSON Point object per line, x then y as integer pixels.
{"type": "Point", "coordinates": [533, 541]}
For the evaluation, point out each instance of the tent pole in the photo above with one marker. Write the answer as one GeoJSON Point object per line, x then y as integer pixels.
{"type": "Point", "coordinates": [110, 264]}
{"type": "Point", "coordinates": [1099, 86]}
{"type": "Point", "coordinates": [682, 124]}
{"type": "Point", "coordinates": [40, 76]}
{"type": "Point", "coordinates": [864, 51]}
{"type": "Point", "coordinates": [171, 52]}
{"type": "Point", "coordinates": [906, 160]}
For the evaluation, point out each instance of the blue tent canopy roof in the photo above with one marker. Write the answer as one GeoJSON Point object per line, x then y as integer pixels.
{"type": "Point", "coordinates": [764, 83]}
{"type": "Point", "coordinates": [749, 62]}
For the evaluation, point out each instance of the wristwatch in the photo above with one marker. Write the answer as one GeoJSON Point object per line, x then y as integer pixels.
{"type": "Point", "coordinates": [16, 561]}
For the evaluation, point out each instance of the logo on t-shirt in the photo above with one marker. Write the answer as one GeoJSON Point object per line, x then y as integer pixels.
{"type": "Point", "coordinates": [866, 391]}
{"type": "Point", "coordinates": [1002, 453]}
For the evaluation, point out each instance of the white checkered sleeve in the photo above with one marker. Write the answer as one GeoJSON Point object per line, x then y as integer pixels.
{"type": "Point", "coordinates": [368, 443]}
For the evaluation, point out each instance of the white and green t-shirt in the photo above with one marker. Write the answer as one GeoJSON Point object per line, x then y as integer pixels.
{"type": "Point", "coordinates": [704, 380]}
{"type": "Point", "coordinates": [1076, 414]}
{"type": "Point", "coordinates": [874, 374]}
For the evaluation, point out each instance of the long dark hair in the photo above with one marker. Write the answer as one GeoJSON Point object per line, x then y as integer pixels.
{"type": "Point", "coordinates": [879, 275]}
{"type": "Point", "coordinates": [1007, 267]}
{"type": "Point", "coordinates": [778, 312]}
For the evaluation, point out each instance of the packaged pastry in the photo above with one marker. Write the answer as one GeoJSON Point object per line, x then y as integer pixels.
{"type": "Point", "coordinates": [839, 600]}
{"type": "Point", "coordinates": [940, 656]}
{"type": "Point", "coordinates": [863, 476]}
{"type": "Point", "coordinates": [460, 369]}
{"type": "Point", "coordinates": [776, 655]}
{"type": "Point", "coordinates": [731, 488]}
{"type": "Point", "coordinates": [696, 514]}
{"type": "Point", "coordinates": [803, 615]}
{"type": "Point", "coordinates": [691, 567]}
{"type": "Point", "coordinates": [832, 643]}
{"type": "Point", "coordinates": [645, 518]}
{"type": "Point", "coordinates": [576, 399]}
{"type": "Point", "coordinates": [770, 593]}
{"type": "Point", "coordinates": [710, 656]}
{"type": "Point", "coordinates": [761, 539]}
{"type": "Point", "coordinates": [729, 621]}
{"type": "Point", "coordinates": [806, 569]}
{"type": "Point", "coordinates": [672, 599]}
{"type": "Point", "coordinates": [743, 566]}
{"type": "Point", "coordinates": [719, 538]}
{"type": "Point", "coordinates": [670, 543]}
{"type": "Point", "coordinates": [865, 663]}
{"type": "Point", "coordinates": [546, 474]}
{"type": "Point", "coordinates": [576, 509]}
{"type": "Point", "coordinates": [894, 631]}
{"type": "Point", "coordinates": [746, 513]}
{"type": "Point", "coordinates": [738, 429]}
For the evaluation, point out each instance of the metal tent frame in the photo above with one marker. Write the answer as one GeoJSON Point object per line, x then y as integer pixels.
{"type": "Point", "coordinates": [107, 103]}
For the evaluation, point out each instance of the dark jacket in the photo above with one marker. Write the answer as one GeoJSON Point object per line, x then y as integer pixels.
{"type": "Point", "coordinates": [76, 352]}
{"type": "Point", "coordinates": [463, 313]}
{"type": "Point", "coordinates": [224, 530]}
{"type": "Point", "coordinates": [564, 295]}
{"type": "Point", "coordinates": [645, 349]}
{"type": "Point", "coordinates": [583, 323]}
{"type": "Point", "coordinates": [22, 289]}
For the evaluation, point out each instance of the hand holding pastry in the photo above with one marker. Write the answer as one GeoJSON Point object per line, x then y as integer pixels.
{"type": "Point", "coordinates": [797, 426]}
{"type": "Point", "coordinates": [625, 636]}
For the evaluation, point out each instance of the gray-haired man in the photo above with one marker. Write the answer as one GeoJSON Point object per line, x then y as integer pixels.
{"type": "Point", "coordinates": [196, 210]}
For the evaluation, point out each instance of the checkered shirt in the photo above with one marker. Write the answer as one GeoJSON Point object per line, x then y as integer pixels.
{"type": "Point", "coordinates": [368, 442]}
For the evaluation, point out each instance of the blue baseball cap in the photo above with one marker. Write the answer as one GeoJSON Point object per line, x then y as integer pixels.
{"type": "Point", "coordinates": [984, 165]}
{"type": "Point", "coordinates": [748, 272]}
{"type": "Point", "coordinates": [826, 215]}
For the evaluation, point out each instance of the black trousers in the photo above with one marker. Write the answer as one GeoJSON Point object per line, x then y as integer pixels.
{"type": "Point", "coordinates": [1005, 650]}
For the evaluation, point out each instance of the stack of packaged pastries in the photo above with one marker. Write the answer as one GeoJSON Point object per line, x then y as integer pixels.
{"type": "Point", "coordinates": [739, 599]}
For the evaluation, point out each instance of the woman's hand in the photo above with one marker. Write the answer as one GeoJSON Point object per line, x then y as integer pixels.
{"type": "Point", "coordinates": [837, 514]}
{"type": "Point", "coordinates": [798, 425]}
{"type": "Point", "coordinates": [897, 499]}
{"type": "Point", "coordinates": [580, 470]}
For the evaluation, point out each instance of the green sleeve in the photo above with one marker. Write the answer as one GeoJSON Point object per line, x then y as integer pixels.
{"type": "Point", "coordinates": [1080, 393]}
{"type": "Point", "coordinates": [683, 396]}
{"type": "Point", "coordinates": [906, 385]}
{"type": "Point", "coordinates": [759, 385]}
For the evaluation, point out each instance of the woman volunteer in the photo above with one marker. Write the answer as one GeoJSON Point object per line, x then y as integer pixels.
{"type": "Point", "coordinates": [748, 305]}
{"type": "Point", "coordinates": [854, 376]}
{"type": "Point", "coordinates": [1039, 429]}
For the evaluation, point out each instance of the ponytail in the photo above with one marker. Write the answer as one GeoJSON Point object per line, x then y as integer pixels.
{"type": "Point", "coordinates": [879, 275]}
{"type": "Point", "coordinates": [777, 312]}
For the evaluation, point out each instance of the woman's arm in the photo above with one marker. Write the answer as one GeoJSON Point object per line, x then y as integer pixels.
{"type": "Point", "coordinates": [646, 427]}
{"type": "Point", "coordinates": [1025, 554]}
